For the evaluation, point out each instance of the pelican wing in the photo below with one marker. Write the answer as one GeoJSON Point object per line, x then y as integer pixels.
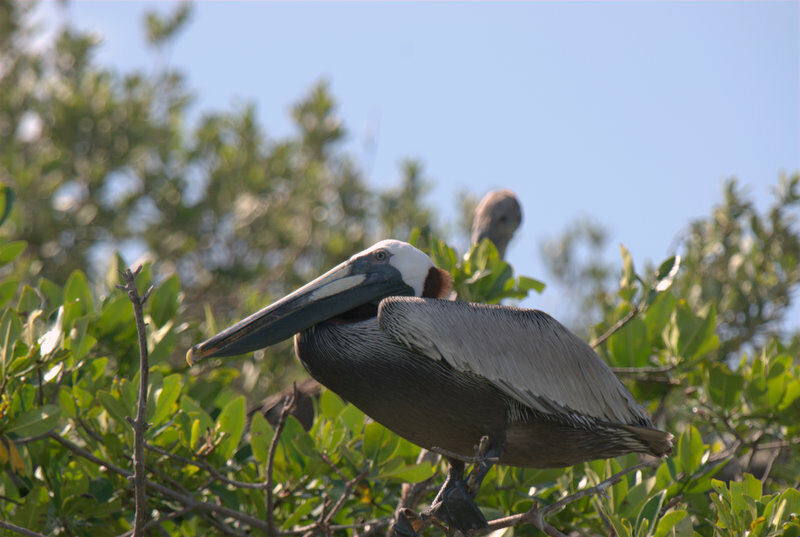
{"type": "Point", "coordinates": [525, 353]}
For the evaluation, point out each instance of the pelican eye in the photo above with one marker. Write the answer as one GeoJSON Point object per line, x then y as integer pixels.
{"type": "Point", "coordinates": [381, 255]}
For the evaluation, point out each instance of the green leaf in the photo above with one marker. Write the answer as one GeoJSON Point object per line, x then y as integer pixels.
{"type": "Point", "coordinates": [527, 284]}
{"type": "Point", "coordinates": [35, 421]}
{"type": "Point", "coordinates": [164, 300]}
{"type": "Point", "coordinates": [231, 422]}
{"type": "Point", "coordinates": [724, 386]}
{"type": "Point", "coordinates": [9, 251]}
{"type": "Point", "coordinates": [260, 437]}
{"type": "Point", "coordinates": [666, 273]}
{"type": "Point", "coordinates": [378, 442]}
{"type": "Point", "coordinates": [8, 289]}
{"type": "Point", "coordinates": [10, 329]}
{"type": "Point", "coordinates": [6, 202]}
{"type": "Point", "coordinates": [77, 291]}
{"type": "Point", "coordinates": [67, 403]}
{"type": "Point", "coordinates": [300, 512]}
{"type": "Point", "coordinates": [115, 265]}
{"type": "Point", "coordinates": [696, 337]}
{"type": "Point", "coordinates": [751, 486]}
{"type": "Point", "coordinates": [102, 489]}
{"type": "Point", "coordinates": [670, 525]}
{"type": "Point", "coordinates": [788, 504]}
{"type": "Point", "coordinates": [649, 514]}
{"type": "Point", "coordinates": [352, 417]}
{"type": "Point", "coordinates": [330, 404]}
{"type": "Point", "coordinates": [628, 274]}
{"type": "Point", "coordinates": [80, 342]}
{"type": "Point", "coordinates": [166, 398]}
{"type": "Point", "coordinates": [690, 450]}
{"type": "Point", "coordinates": [115, 408]}
{"type": "Point", "coordinates": [411, 474]}
{"type": "Point", "coordinates": [54, 294]}
{"type": "Point", "coordinates": [629, 346]}
{"type": "Point", "coordinates": [29, 300]}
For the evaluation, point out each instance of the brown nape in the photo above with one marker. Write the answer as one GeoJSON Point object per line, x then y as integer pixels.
{"type": "Point", "coordinates": [438, 283]}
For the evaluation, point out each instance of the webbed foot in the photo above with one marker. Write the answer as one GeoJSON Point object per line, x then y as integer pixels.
{"type": "Point", "coordinates": [456, 508]}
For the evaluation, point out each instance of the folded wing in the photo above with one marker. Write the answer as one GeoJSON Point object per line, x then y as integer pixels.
{"type": "Point", "coordinates": [526, 353]}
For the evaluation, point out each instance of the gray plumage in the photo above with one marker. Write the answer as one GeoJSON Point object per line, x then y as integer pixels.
{"type": "Point", "coordinates": [526, 353]}
{"type": "Point", "coordinates": [443, 374]}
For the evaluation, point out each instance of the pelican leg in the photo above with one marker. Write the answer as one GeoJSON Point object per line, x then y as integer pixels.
{"type": "Point", "coordinates": [454, 505]}
{"type": "Point", "coordinates": [485, 456]}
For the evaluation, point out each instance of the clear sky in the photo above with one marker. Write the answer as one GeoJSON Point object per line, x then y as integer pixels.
{"type": "Point", "coordinates": [630, 112]}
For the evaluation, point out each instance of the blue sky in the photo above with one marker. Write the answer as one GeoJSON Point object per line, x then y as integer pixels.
{"type": "Point", "coordinates": [631, 113]}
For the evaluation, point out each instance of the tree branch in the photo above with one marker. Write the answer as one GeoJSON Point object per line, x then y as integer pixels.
{"type": "Point", "coordinates": [18, 529]}
{"type": "Point", "coordinates": [537, 516]}
{"type": "Point", "coordinates": [203, 465]}
{"type": "Point", "coordinates": [140, 423]}
{"type": "Point", "coordinates": [154, 522]}
{"type": "Point", "coordinates": [268, 483]}
{"type": "Point", "coordinates": [188, 501]}
{"type": "Point", "coordinates": [619, 324]}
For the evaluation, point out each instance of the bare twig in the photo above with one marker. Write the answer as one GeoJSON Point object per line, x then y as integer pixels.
{"type": "Point", "coordinates": [333, 466]}
{"type": "Point", "coordinates": [18, 529]}
{"type": "Point", "coordinates": [537, 516]}
{"type": "Point", "coordinates": [411, 494]}
{"type": "Point", "coordinates": [619, 324]}
{"type": "Point", "coordinates": [224, 528]}
{"type": "Point", "coordinates": [268, 482]}
{"type": "Point", "coordinates": [151, 523]}
{"type": "Point", "coordinates": [348, 490]}
{"type": "Point", "coordinates": [187, 501]}
{"type": "Point", "coordinates": [140, 423]}
{"type": "Point", "coordinates": [641, 370]}
{"type": "Point", "coordinates": [324, 521]}
{"type": "Point", "coordinates": [203, 465]}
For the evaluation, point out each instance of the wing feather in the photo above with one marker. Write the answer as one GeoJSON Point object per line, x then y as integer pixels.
{"type": "Point", "coordinates": [526, 353]}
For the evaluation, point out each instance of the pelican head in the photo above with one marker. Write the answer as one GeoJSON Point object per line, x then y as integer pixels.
{"type": "Point", "coordinates": [350, 291]}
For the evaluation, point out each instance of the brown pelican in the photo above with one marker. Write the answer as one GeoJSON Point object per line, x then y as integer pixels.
{"type": "Point", "coordinates": [497, 218]}
{"type": "Point", "coordinates": [444, 374]}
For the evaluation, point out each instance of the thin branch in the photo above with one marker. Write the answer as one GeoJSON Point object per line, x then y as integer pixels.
{"type": "Point", "coordinates": [641, 370]}
{"type": "Point", "coordinates": [187, 501]}
{"type": "Point", "coordinates": [324, 521]}
{"type": "Point", "coordinates": [348, 490]}
{"type": "Point", "coordinates": [170, 516]}
{"type": "Point", "coordinates": [140, 423]}
{"type": "Point", "coordinates": [268, 482]}
{"type": "Point", "coordinates": [18, 529]}
{"type": "Point", "coordinates": [224, 528]}
{"type": "Point", "coordinates": [619, 324]}
{"type": "Point", "coordinates": [333, 466]}
{"type": "Point", "coordinates": [203, 465]}
{"type": "Point", "coordinates": [537, 516]}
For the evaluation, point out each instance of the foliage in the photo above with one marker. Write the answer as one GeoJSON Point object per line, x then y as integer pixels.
{"type": "Point", "coordinates": [743, 262]}
{"type": "Point", "coordinates": [68, 370]}
{"type": "Point", "coordinates": [109, 161]}
{"type": "Point", "coordinates": [746, 263]}
{"type": "Point", "coordinates": [68, 343]}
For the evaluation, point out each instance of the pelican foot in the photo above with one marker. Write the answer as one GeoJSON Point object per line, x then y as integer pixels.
{"type": "Point", "coordinates": [407, 523]}
{"type": "Point", "coordinates": [455, 507]}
